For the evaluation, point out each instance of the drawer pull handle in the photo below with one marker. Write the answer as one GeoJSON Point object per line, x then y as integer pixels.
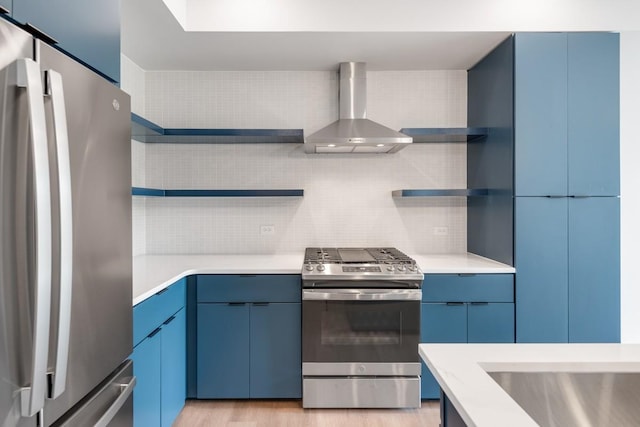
{"type": "Point", "coordinates": [261, 303]}
{"type": "Point", "coordinates": [169, 320]}
{"type": "Point", "coordinates": [154, 333]}
{"type": "Point", "coordinates": [237, 303]}
{"type": "Point", "coordinates": [455, 303]}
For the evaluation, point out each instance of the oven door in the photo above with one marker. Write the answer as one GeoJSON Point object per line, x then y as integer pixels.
{"type": "Point", "coordinates": [355, 328]}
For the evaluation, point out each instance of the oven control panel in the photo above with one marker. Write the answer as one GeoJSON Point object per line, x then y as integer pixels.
{"type": "Point", "coordinates": [361, 270]}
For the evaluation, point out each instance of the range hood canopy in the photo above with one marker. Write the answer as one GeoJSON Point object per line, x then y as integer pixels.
{"type": "Point", "coordinates": [353, 132]}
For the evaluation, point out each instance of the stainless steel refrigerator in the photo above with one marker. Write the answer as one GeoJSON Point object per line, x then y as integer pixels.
{"type": "Point", "coordinates": [65, 240]}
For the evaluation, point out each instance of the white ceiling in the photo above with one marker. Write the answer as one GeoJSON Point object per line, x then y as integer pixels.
{"type": "Point", "coordinates": [319, 34]}
{"type": "Point", "coordinates": [154, 40]}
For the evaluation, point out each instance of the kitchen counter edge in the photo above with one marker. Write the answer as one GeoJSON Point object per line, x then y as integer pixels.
{"type": "Point", "coordinates": [462, 374]}
{"type": "Point", "coordinates": [153, 273]}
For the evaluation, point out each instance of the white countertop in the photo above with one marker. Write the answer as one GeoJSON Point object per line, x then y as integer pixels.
{"type": "Point", "coordinates": [461, 370]}
{"type": "Point", "coordinates": [459, 264]}
{"type": "Point", "coordinates": [152, 273]}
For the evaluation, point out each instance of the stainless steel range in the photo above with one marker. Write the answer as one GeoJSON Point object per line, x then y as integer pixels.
{"type": "Point", "coordinates": [361, 328]}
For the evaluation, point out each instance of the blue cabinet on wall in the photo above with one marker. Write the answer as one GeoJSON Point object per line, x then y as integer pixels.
{"type": "Point", "coordinates": [88, 30]}
{"type": "Point", "coordinates": [567, 114]}
{"type": "Point", "coordinates": [465, 308]}
{"type": "Point", "coordinates": [248, 336]}
{"type": "Point", "coordinates": [159, 357]}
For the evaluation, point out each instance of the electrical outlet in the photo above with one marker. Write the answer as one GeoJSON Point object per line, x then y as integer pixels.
{"type": "Point", "coordinates": [440, 231]}
{"type": "Point", "coordinates": [267, 230]}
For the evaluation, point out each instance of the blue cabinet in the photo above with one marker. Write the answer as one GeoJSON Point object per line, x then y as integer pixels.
{"type": "Point", "coordinates": [159, 357]}
{"type": "Point", "coordinates": [223, 351]}
{"type": "Point", "coordinates": [248, 337]}
{"type": "Point", "coordinates": [147, 367]}
{"type": "Point", "coordinates": [540, 114]}
{"type": "Point", "coordinates": [7, 4]}
{"type": "Point", "coordinates": [568, 269]}
{"type": "Point", "coordinates": [88, 30]}
{"type": "Point", "coordinates": [541, 261]}
{"type": "Point", "coordinates": [566, 146]}
{"type": "Point", "coordinates": [593, 131]}
{"type": "Point", "coordinates": [465, 308]}
{"type": "Point", "coordinates": [567, 114]}
{"type": "Point", "coordinates": [173, 374]}
{"type": "Point", "coordinates": [594, 269]}
{"type": "Point", "coordinates": [276, 364]}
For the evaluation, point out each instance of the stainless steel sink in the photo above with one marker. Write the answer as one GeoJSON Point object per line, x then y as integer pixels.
{"type": "Point", "coordinates": [563, 399]}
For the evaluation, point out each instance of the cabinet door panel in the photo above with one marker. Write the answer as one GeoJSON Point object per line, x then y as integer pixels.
{"type": "Point", "coordinates": [541, 269]}
{"type": "Point", "coordinates": [276, 364]}
{"type": "Point", "coordinates": [490, 323]}
{"type": "Point", "coordinates": [440, 323]}
{"type": "Point", "coordinates": [540, 114]}
{"type": "Point", "coordinates": [594, 114]}
{"type": "Point", "coordinates": [146, 395]}
{"type": "Point", "coordinates": [223, 351]}
{"type": "Point", "coordinates": [594, 269]}
{"type": "Point", "coordinates": [174, 367]}
{"type": "Point", "coordinates": [88, 30]}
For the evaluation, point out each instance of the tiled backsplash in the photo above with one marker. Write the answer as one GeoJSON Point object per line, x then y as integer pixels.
{"type": "Point", "coordinates": [347, 199]}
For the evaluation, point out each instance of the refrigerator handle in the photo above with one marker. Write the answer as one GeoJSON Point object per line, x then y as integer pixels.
{"type": "Point", "coordinates": [125, 391]}
{"type": "Point", "coordinates": [28, 77]}
{"type": "Point", "coordinates": [55, 89]}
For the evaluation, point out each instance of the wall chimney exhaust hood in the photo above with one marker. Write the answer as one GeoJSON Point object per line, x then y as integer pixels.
{"type": "Point", "coordinates": [353, 132]}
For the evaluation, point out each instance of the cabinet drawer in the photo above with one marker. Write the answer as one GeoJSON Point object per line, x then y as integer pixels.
{"type": "Point", "coordinates": [249, 288]}
{"type": "Point", "coordinates": [468, 288]}
{"type": "Point", "coordinates": [150, 313]}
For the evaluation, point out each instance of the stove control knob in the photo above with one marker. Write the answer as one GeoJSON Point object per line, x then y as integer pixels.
{"type": "Point", "coordinates": [308, 267]}
{"type": "Point", "coordinates": [390, 268]}
{"type": "Point", "coordinates": [321, 267]}
{"type": "Point", "coordinates": [401, 268]}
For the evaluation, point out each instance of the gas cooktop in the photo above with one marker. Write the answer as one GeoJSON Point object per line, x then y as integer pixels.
{"type": "Point", "coordinates": [380, 264]}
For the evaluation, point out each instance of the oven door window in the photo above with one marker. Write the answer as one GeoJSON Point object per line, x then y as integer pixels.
{"type": "Point", "coordinates": [359, 331]}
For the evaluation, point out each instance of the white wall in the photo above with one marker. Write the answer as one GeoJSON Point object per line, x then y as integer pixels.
{"type": "Point", "coordinates": [630, 184]}
{"type": "Point", "coordinates": [347, 199]}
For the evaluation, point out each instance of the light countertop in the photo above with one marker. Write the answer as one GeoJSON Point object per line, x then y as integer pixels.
{"type": "Point", "coordinates": [152, 273]}
{"type": "Point", "coordinates": [461, 370]}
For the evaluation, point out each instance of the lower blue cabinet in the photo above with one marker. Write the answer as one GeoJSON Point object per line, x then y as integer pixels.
{"type": "Point", "coordinates": [480, 309]}
{"type": "Point", "coordinates": [173, 375]}
{"type": "Point", "coordinates": [490, 322]}
{"type": "Point", "coordinates": [146, 394]}
{"type": "Point", "coordinates": [249, 350]}
{"type": "Point", "coordinates": [276, 360]}
{"type": "Point", "coordinates": [223, 351]}
{"type": "Point", "coordinates": [159, 359]}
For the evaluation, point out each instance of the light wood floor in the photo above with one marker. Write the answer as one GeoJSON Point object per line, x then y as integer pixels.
{"type": "Point", "coordinates": [289, 413]}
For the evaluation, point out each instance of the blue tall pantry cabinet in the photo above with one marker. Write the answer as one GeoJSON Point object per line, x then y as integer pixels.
{"type": "Point", "coordinates": [567, 210]}
{"type": "Point", "coordinates": [551, 104]}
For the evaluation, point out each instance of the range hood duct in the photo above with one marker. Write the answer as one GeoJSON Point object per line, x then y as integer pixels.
{"type": "Point", "coordinates": [353, 132]}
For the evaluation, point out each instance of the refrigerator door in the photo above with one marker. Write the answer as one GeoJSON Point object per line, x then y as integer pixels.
{"type": "Point", "coordinates": [110, 404]}
{"type": "Point", "coordinates": [18, 225]}
{"type": "Point", "coordinates": [99, 148]}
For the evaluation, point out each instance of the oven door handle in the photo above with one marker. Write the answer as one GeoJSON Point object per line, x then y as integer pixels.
{"type": "Point", "coordinates": [362, 294]}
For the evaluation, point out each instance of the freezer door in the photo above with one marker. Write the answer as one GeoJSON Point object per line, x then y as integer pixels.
{"type": "Point", "coordinates": [99, 148]}
{"type": "Point", "coordinates": [110, 404]}
{"type": "Point", "coordinates": [17, 232]}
